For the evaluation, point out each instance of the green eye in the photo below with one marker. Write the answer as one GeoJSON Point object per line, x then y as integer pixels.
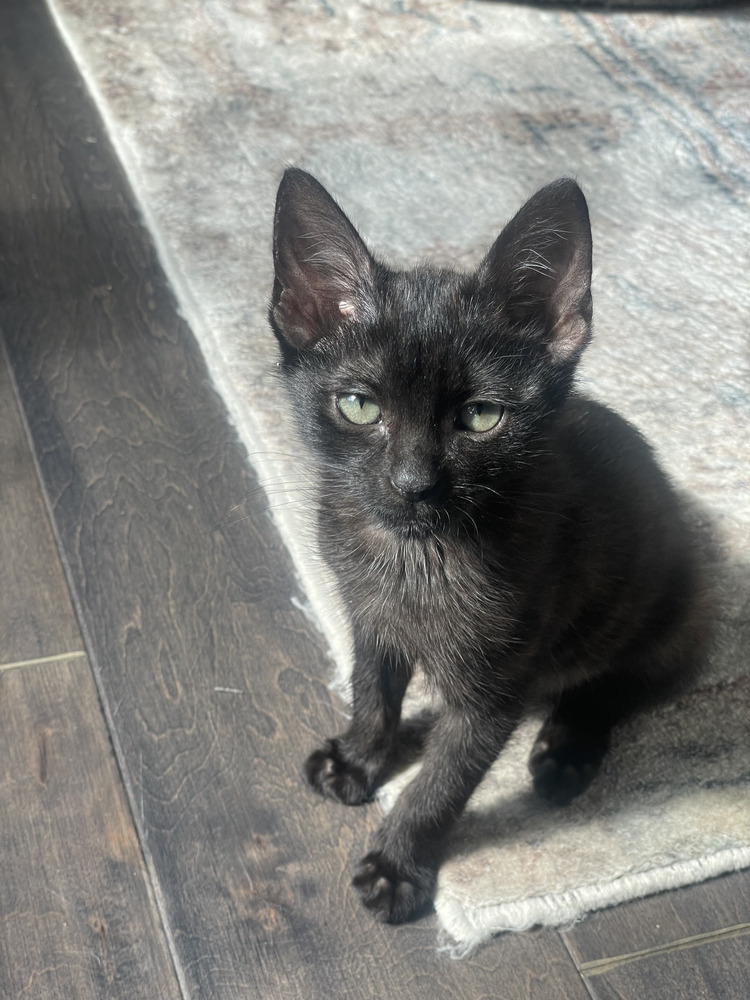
{"type": "Point", "coordinates": [358, 409]}
{"type": "Point", "coordinates": [480, 417]}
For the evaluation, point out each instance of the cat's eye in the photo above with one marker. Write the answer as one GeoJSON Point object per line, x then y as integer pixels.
{"type": "Point", "coordinates": [479, 417]}
{"type": "Point", "coordinates": [358, 409]}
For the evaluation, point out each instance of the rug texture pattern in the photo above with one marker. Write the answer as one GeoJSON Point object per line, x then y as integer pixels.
{"type": "Point", "coordinates": [432, 121]}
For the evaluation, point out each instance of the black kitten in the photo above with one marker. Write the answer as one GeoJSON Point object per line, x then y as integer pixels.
{"type": "Point", "coordinates": [514, 538]}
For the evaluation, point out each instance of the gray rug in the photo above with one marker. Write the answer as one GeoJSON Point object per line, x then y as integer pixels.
{"type": "Point", "coordinates": [432, 121]}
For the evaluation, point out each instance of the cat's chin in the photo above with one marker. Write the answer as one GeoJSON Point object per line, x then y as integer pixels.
{"type": "Point", "coordinates": [418, 525]}
{"type": "Point", "coordinates": [414, 532]}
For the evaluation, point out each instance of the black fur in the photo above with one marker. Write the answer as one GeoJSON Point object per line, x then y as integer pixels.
{"type": "Point", "coordinates": [540, 561]}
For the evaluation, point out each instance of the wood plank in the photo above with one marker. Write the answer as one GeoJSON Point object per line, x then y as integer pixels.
{"type": "Point", "coordinates": [712, 970]}
{"type": "Point", "coordinates": [659, 920]}
{"type": "Point", "coordinates": [214, 684]}
{"type": "Point", "coordinates": [36, 616]}
{"type": "Point", "coordinates": [76, 919]}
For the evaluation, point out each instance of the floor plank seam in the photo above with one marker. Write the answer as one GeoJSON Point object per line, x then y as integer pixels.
{"type": "Point", "coordinates": [39, 660]}
{"type": "Point", "coordinates": [566, 945]}
{"type": "Point", "coordinates": [154, 887]}
{"type": "Point", "coordinates": [602, 965]}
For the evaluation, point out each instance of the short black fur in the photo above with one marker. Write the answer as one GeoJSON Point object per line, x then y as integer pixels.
{"type": "Point", "coordinates": [484, 520]}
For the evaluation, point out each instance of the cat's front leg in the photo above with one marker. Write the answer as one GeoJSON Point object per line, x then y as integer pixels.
{"type": "Point", "coordinates": [350, 767]}
{"type": "Point", "coordinates": [396, 880]}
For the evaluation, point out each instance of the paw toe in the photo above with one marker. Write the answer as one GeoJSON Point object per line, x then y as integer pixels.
{"type": "Point", "coordinates": [560, 775]}
{"type": "Point", "coordinates": [329, 772]}
{"type": "Point", "coordinates": [391, 896]}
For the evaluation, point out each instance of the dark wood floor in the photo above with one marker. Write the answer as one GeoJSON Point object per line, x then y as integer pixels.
{"type": "Point", "coordinates": [158, 687]}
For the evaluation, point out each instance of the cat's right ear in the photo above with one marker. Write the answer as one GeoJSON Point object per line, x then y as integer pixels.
{"type": "Point", "coordinates": [324, 274]}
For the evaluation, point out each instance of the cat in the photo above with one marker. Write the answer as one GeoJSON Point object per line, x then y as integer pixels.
{"type": "Point", "coordinates": [483, 518]}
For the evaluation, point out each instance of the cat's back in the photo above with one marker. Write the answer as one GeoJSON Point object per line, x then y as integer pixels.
{"type": "Point", "coordinates": [609, 459]}
{"type": "Point", "coordinates": [629, 520]}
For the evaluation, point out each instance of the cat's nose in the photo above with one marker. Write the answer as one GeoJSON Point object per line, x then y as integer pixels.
{"type": "Point", "coordinates": [415, 484]}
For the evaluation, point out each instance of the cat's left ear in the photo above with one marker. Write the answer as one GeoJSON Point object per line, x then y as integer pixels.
{"type": "Point", "coordinates": [540, 269]}
{"type": "Point", "coordinates": [324, 273]}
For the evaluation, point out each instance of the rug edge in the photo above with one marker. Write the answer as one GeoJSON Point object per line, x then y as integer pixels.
{"type": "Point", "coordinates": [463, 929]}
{"type": "Point", "coordinates": [317, 597]}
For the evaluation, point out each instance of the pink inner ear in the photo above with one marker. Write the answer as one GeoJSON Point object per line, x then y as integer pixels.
{"type": "Point", "coordinates": [296, 308]}
{"type": "Point", "coordinates": [569, 336]}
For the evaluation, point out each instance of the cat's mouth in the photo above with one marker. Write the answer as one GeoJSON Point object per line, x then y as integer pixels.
{"type": "Point", "coordinates": [413, 520]}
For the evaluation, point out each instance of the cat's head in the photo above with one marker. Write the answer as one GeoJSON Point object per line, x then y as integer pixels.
{"type": "Point", "coordinates": [425, 392]}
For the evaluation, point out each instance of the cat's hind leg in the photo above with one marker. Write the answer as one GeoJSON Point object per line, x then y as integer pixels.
{"type": "Point", "coordinates": [655, 665]}
{"type": "Point", "coordinates": [575, 737]}
{"type": "Point", "coordinates": [568, 751]}
{"type": "Point", "coordinates": [350, 767]}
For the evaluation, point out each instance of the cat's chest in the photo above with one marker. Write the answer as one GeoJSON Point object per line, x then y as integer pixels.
{"type": "Point", "coordinates": [428, 597]}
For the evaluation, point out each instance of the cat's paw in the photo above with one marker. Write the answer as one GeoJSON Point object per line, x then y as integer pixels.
{"type": "Point", "coordinates": [561, 771]}
{"type": "Point", "coordinates": [391, 894]}
{"type": "Point", "coordinates": [332, 775]}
